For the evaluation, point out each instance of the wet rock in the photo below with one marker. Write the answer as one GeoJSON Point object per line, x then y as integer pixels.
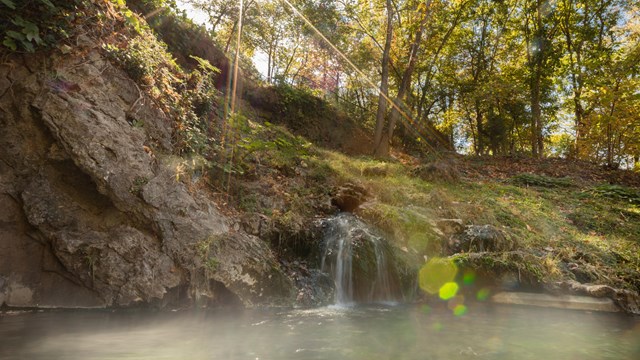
{"type": "Point", "coordinates": [450, 226]}
{"type": "Point", "coordinates": [314, 287]}
{"type": "Point", "coordinates": [349, 197]}
{"type": "Point", "coordinates": [627, 300]}
{"type": "Point", "coordinates": [363, 265]}
{"type": "Point", "coordinates": [478, 238]}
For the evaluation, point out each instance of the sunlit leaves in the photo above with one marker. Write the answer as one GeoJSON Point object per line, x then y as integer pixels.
{"type": "Point", "coordinates": [9, 4]}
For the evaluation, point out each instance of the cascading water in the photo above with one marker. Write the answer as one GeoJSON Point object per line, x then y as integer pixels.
{"type": "Point", "coordinates": [357, 258]}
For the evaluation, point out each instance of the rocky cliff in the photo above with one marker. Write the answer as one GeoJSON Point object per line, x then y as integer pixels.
{"type": "Point", "coordinates": [93, 212]}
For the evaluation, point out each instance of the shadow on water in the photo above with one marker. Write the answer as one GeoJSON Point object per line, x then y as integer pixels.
{"type": "Point", "coordinates": [335, 332]}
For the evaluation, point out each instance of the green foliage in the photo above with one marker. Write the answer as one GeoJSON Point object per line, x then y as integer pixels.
{"type": "Point", "coordinates": [203, 249]}
{"type": "Point", "coordinates": [212, 264]}
{"type": "Point", "coordinates": [617, 192]}
{"type": "Point", "coordinates": [142, 58]}
{"type": "Point", "coordinates": [8, 3]}
{"type": "Point", "coordinates": [541, 180]}
{"type": "Point", "coordinates": [530, 269]}
{"type": "Point", "coordinates": [205, 66]}
{"type": "Point", "coordinates": [267, 143]}
{"type": "Point", "coordinates": [300, 102]}
{"type": "Point", "coordinates": [30, 25]}
{"type": "Point", "coordinates": [191, 98]}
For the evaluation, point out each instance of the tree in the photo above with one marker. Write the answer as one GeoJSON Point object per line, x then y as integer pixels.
{"type": "Point", "coordinates": [384, 85]}
{"type": "Point", "coordinates": [540, 29]}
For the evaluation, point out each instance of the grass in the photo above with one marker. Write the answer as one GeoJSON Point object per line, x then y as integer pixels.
{"type": "Point", "coordinates": [555, 221]}
{"type": "Point", "coordinates": [558, 224]}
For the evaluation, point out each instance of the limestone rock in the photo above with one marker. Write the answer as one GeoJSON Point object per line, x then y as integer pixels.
{"type": "Point", "coordinates": [627, 300]}
{"type": "Point", "coordinates": [450, 226]}
{"type": "Point", "coordinates": [95, 208]}
{"type": "Point", "coordinates": [349, 197]}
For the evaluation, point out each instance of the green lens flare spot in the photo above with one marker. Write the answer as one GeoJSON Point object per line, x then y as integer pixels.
{"type": "Point", "coordinates": [436, 273]}
{"type": "Point", "coordinates": [448, 290]}
{"type": "Point", "coordinates": [469, 277]}
{"type": "Point", "coordinates": [459, 310]}
{"type": "Point", "coordinates": [483, 294]}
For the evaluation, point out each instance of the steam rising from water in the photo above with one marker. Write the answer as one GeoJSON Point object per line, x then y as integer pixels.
{"type": "Point", "coordinates": [487, 332]}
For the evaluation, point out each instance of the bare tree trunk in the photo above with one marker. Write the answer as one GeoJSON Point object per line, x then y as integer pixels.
{"type": "Point", "coordinates": [535, 64]}
{"type": "Point", "coordinates": [384, 82]}
{"type": "Point", "coordinates": [480, 127]}
{"type": "Point", "coordinates": [406, 80]}
{"type": "Point", "coordinates": [269, 64]}
{"type": "Point", "coordinates": [536, 125]}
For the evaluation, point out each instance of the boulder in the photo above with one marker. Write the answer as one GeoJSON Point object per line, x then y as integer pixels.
{"type": "Point", "coordinates": [478, 238]}
{"type": "Point", "coordinates": [349, 197]}
{"type": "Point", "coordinates": [627, 300]}
{"type": "Point", "coordinates": [450, 227]}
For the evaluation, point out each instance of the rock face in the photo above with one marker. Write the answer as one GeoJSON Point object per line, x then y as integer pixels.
{"type": "Point", "coordinates": [477, 238]}
{"type": "Point", "coordinates": [349, 197]}
{"type": "Point", "coordinates": [91, 211]}
{"type": "Point", "coordinates": [627, 300]}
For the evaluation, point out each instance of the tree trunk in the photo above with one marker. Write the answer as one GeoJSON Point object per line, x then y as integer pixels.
{"type": "Point", "coordinates": [536, 123]}
{"type": "Point", "coordinates": [406, 78]}
{"type": "Point", "coordinates": [536, 66]}
{"type": "Point", "coordinates": [384, 85]}
{"type": "Point", "coordinates": [269, 64]}
{"type": "Point", "coordinates": [480, 146]}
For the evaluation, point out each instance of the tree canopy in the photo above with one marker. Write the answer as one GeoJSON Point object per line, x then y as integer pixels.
{"type": "Point", "coordinates": [485, 77]}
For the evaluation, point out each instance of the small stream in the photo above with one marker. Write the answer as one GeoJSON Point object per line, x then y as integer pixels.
{"type": "Point", "coordinates": [333, 333]}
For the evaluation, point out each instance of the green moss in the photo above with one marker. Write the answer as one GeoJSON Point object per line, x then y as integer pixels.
{"type": "Point", "coordinates": [541, 181]}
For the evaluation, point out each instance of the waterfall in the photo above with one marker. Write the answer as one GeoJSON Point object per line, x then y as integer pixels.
{"type": "Point", "coordinates": [358, 260]}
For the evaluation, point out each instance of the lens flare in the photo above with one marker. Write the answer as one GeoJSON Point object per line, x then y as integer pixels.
{"type": "Point", "coordinates": [459, 310]}
{"type": "Point", "coordinates": [469, 277]}
{"type": "Point", "coordinates": [483, 294]}
{"type": "Point", "coordinates": [436, 273]}
{"type": "Point", "coordinates": [448, 290]}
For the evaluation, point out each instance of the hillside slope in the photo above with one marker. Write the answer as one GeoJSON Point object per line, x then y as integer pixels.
{"type": "Point", "coordinates": [122, 183]}
{"type": "Point", "coordinates": [92, 214]}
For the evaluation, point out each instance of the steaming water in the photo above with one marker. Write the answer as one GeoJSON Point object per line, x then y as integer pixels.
{"type": "Point", "coordinates": [342, 233]}
{"type": "Point", "coordinates": [367, 333]}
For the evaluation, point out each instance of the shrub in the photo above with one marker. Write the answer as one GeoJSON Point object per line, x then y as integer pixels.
{"type": "Point", "coordinates": [29, 25]}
